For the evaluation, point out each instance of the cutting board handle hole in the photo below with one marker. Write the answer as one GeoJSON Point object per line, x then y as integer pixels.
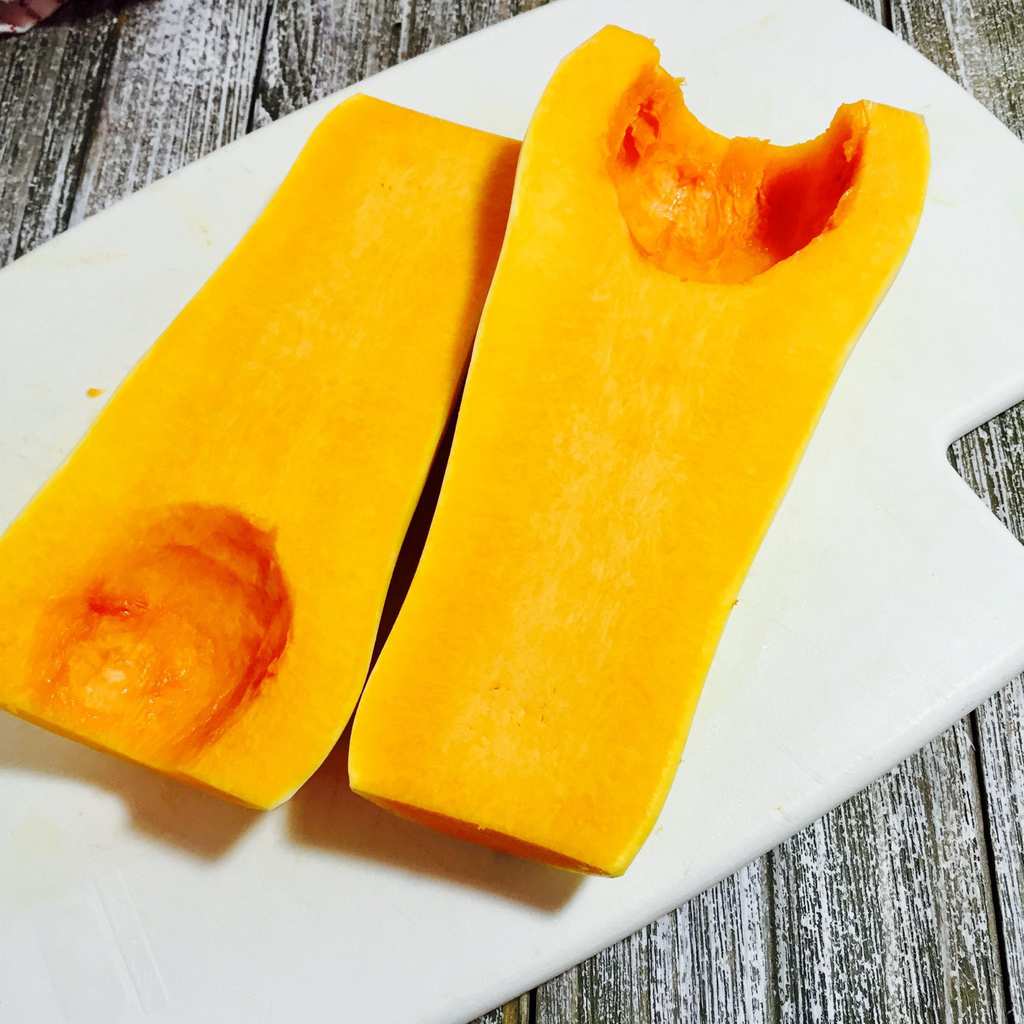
{"type": "Point", "coordinates": [990, 460]}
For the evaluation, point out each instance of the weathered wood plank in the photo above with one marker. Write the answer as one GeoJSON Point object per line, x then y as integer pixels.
{"type": "Point", "coordinates": [883, 907]}
{"type": "Point", "coordinates": [315, 47]}
{"type": "Point", "coordinates": [50, 86]}
{"type": "Point", "coordinates": [94, 106]}
{"type": "Point", "coordinates": [991, 460]}
{"type": "Point", "coordinates": [180, 84]}
{"type": "Point", "coordinates": [978, 43]}
{"type": "Point", "coordinates": [709, 962]}
{"type": "Point", "coordinates": [515, 1012]}
{"type": "Point", "coordinates": [723, 970]}
{"type": "Point", "coordinates": [876, 9]}
{"type": "Point", "coordinates": [981, 45]}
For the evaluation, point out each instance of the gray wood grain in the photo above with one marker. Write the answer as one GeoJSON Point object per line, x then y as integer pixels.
{"type": "Point", "coordinates": [877, 10]}
{"type": "Point", "coordinates": [882, 910]}
{"type": "Point", "coordinates": [180, 84]}
{"type": "Point", "coordinates": [991, 460]}
{"type": "Point", "coordinates": [99, 103]}
{"type": "Point", "coordinates": [709, 961]}
{"type": "Point", "coordinates": [883, 907]}
{"type": "Point", "coordinates": [978, 43]}
{"type": "Point", "coordinates": [49, 90]}
{"type": "Point", "coordinates": [315, 46]}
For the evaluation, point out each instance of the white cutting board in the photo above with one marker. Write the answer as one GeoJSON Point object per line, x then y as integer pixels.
{"type": "Point", "coordinates": [885, 602]}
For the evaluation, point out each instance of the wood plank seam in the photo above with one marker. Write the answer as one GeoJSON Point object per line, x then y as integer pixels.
{"type": "Point", "coordinates": [771, 942]}
{"type": "Point", "coordinates": [885, 14]}
{"type": "Point", "coordinates": [988, 848]}
{"type": "Point", "coordinates": [250, 121]}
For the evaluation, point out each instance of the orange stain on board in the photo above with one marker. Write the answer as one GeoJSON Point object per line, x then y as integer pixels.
{"type": "Point", "coordinates": [167, 641]}
{"type": "Point", "coordinates": [93, 392]}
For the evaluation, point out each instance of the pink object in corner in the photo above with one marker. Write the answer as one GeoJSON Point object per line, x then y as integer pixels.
{"type": "Point", "coordinates": [21, 15]}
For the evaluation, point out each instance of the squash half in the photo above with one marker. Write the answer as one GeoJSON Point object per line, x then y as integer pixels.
{"type": "Point", "coordinates": [199, 587]}
{"type": "Point", "coordinates": [669, 314]}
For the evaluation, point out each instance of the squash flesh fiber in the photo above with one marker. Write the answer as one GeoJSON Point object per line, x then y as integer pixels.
{"type": "Point", "coordinates": [668, 316]}
{"type": "Point", "coordinates": [198, 588]}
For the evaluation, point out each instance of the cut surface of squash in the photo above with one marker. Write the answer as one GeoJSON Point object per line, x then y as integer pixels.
{"type": "Point", "coordinates": [198, 588]}
{"type": "Point", "coordinates": [669, 314]}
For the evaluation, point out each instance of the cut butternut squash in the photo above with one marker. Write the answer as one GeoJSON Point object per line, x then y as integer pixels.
{"type": "Point", "coordinates": [199, 587]}
{"type": "Point", "coordinates": [668, 316]}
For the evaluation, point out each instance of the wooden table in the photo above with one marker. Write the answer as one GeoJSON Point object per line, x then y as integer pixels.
{"type": "Point", "coordinates": [905, 904]}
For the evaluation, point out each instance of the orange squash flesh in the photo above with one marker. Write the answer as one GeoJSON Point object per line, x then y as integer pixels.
{"type": "Point", "coordinates": [668, 316]}
{"type": "Point", "coordinates": [199, 587]}
{"type": "Point", "coordinates": [707, 208]}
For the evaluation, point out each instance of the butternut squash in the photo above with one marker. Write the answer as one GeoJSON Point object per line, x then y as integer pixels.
{"type": "Point", "coordinates": [669, 313]}
{"type": "Point", "coordinates": [199, 587]}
